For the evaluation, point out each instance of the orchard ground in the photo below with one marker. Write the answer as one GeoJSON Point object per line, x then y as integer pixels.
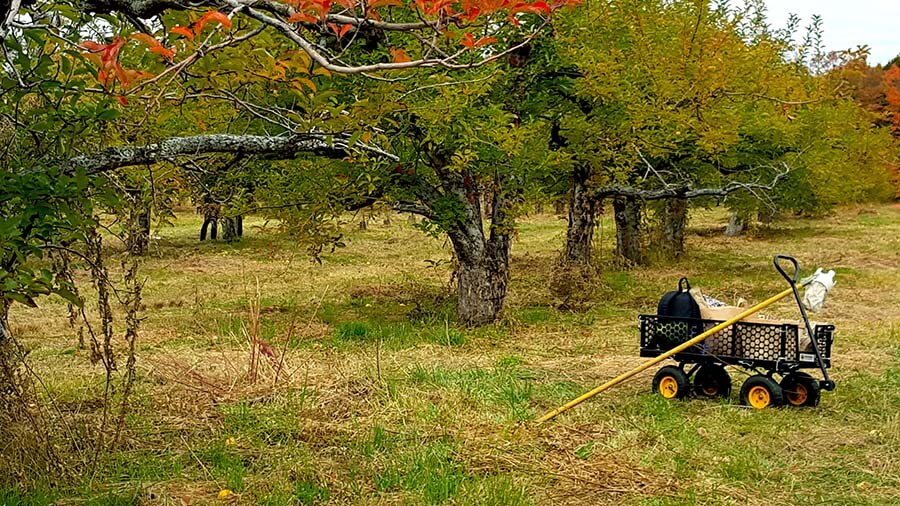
{"type": "Point", "coordinates": [382, 400]}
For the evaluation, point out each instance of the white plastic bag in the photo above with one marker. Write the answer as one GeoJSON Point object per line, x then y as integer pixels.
{"type": "Point", "coordinates": [817, 289]}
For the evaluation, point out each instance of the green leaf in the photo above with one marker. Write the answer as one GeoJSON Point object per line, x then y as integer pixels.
{"type": "Point", "coordinates": [71, 297]}
{"type": "Point", "coordinates": [22, 299]}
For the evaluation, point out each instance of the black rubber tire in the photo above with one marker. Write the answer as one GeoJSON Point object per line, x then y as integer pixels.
{"type": "Point", "coordinates": [801, 389]}
{"type": "Point", "coordinates": [761, 392]}
{"type": "Point", "coordinates": [712, 380]}
{"type": "Point", "coordinates": [671, 382]}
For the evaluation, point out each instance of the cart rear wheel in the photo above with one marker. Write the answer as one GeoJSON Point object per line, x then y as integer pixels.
{"type": "Point", "coordinates": [671, 382]}
{"type": "Point", "coordinates": [801, 389]}
{"type": "Point", "coordinates": [761, 392]}
{"type": "Point", "coordinates": [712, 380]}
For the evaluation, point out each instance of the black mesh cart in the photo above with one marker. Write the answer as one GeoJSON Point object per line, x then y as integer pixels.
{"type": "Point", "coordinates": [767, 350]}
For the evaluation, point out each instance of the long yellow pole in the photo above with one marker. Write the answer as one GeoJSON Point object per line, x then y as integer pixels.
{"type": "Point", "coordinates": [678, 349]}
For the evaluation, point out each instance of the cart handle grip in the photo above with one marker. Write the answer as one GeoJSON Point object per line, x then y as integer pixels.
{"type": "Point", "coordinates": [796, 274]}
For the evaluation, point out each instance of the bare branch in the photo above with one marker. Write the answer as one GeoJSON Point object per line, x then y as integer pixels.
{"type": "Point", "coordinates": [687, 191]}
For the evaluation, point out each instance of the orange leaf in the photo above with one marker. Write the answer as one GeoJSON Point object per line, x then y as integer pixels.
{"type": "Point", "coordinates": [468, 41]}
{"type": "Point", "coordinates": [385, 3]}
{"type": "Point", "coordinates": [183, 31]}
{"type": "Point", "coordinates": [92, 46]}
{"type": "Point", "coordinates": [347, 4]}
{"type": "Point", "coordinates": [137, 75]}
{"type": "Point", "coordinates": [164, 51]}
{"type": "Point", "coordinates": [484, 41]}
{"type": "Point", "coordinates": [148, 40]}
{"type": "Point", "coordinates": [121, 76]}
{"type": "Point", "coordinates": [154, 45]}
{"type": "Point", "coordinates": [302, 17]}
{"type": "Point", "coordinates": [398, 55]}
{"type": "Point", "coordinates": [122, 100]}
{"type": "Point", "coordinates": [216, 16]}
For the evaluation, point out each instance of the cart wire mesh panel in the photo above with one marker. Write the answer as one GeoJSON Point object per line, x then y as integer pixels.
{"type": "Point", "coordinates": [775, 346]}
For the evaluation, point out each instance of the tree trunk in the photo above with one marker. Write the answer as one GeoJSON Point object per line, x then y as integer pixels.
{"type": "Point", "coordinates": [559, 207]}
{"type": "Point", "coordinates": [239, 223]}
{"type": "Point", "coordinates": [582, 219]}
{"type": "Point", "coordinates": [628, 212]}
{"type": "Point", "coordinates": [210, 212]}
{"type": "Point", "coordinates": [674, 221]}
{"type": "Point", "coordinates": [735, 225]}
{"type": "Point", "coordinates": [138, 234]}
{"type": "Point", "coordinates": [486, 210]}
{"type": "Point", "coordinates": [767, 216]}
{"type": "Point", "coordinates": [229, 230]}
{"type": "Point", "coordinates": [483, 271]}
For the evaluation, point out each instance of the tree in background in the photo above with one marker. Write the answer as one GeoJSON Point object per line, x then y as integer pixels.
{"type": "Point", "coordinates": [681, 100]}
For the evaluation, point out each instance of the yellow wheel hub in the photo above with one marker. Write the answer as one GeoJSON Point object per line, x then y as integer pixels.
{"type": "Point", "coordinates": [759, 397]}
{"type": "Point", "coordinates": [798, 396]}
{"type": "Point", "coordinates": [668, 387]}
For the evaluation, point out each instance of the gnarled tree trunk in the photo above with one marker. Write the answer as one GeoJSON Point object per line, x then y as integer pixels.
{"type": "Point", "coordinates": [582, 220]}
{"type": "Point", "coordinates": [628, 211]}
{"type": "Point", "coordinates": [674, 220]}
{"type": "Point", "coordinates": [483, 270]}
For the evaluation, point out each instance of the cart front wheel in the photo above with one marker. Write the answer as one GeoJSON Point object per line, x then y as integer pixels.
{"type": "Point", "coordinates": [712, 380]}
{"type": "Point", "coordinates": [761, 392]}
{"type": "Point", "coordinates": [801, 389]}
{"type": "Point", "coordinates": [671, 382]}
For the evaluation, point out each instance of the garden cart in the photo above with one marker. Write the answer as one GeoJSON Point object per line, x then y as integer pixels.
{"type": "Point", "coordinates": [765, 349]}
{"type": "Point", "coordinates": [704, 347]}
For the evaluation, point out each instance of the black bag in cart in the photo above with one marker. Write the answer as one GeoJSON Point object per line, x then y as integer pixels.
{"type": "Point", "coordinates": [680, 303]}
{"type": "Point", "coordinates": [677, 304]}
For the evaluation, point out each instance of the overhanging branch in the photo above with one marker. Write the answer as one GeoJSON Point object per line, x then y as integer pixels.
{"type": "Point", "coordinates": [284, 147]}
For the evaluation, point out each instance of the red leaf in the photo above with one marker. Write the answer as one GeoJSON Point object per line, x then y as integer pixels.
{"type": "Point", "coordinates": [216, 16]}
{"type": "Point", "coordinates": [122, 100]}
{"type": "Point", "coordinates": [266, 349]}
{"type": "Point", "coordinates": [183, 31]}
{"type": "Point", "coordinates": [111, 51]}
{"type": "Point", "coordinates": [340, 31]}
{"type": "Point", "coordinates": [535, 8]}
{"type": "Point", "coordinates": [471, 14]}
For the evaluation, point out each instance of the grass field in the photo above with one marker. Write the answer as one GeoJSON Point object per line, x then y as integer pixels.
{"type": "Point", "coordinates": [383, 400]}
